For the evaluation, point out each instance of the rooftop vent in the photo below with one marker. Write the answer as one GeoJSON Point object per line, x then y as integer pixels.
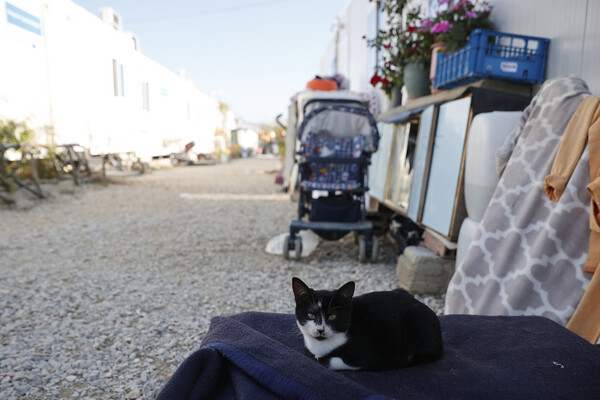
{"type": "Point", "coordinates": [112, 18]}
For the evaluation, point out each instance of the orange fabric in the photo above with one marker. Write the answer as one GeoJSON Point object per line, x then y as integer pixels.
{"type": "Point", "coordinates": [322, 84]}
{"type": "Point", "coordinates": [586, 320]}
{"type": "Point", "coordinates": [584, 126]}
{"type": "Point", "coordinates": [594, 190]}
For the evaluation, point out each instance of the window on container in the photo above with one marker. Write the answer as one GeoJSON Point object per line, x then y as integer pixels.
{"type": "Point", "coordinates": [145, 96]}
{"type": "Point", "coordinates": [118, 79]}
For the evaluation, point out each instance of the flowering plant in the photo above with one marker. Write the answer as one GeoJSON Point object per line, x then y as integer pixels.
{"type": "Point", "coordinates": [399, 44]}
{"type": "Point", "coordinates": [453, 25]}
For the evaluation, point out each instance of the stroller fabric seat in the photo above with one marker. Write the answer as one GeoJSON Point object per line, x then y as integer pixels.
{"type": "Point", "coordinates": [328, 175]}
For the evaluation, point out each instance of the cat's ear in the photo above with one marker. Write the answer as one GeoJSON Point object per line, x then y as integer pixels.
{"type": "Point", "coordinates": [346, 292]}
{"type": "Point", "coordinates": [300, 288]}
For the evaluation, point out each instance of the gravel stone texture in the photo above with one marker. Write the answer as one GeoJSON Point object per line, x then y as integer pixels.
{"type": "Point", "coordinates": [106, 289]}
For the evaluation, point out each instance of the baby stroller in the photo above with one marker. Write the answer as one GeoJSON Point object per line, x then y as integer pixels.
{"type": "Point", "coordinates": [337, 137]}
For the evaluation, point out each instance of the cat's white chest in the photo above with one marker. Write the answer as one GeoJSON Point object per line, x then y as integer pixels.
{"type": "Point", "coordinates": [321, 348]}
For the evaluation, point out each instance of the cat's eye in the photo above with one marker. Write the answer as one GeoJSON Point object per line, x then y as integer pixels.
{"type": "Point", "coordinates": [332, 317]}
{"type": "Point", "coordinates": [310, 315]}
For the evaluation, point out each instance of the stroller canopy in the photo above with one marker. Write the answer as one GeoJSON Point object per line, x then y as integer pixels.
{"type": "Point", "coordinates": [340, 121]}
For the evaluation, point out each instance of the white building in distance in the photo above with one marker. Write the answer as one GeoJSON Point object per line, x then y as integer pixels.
{"type": "Point", "coordinates": [78, 78]}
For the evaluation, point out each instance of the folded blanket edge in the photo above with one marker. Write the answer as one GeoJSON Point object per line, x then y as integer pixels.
{"type": "Point", "coordinates": [263, 373]}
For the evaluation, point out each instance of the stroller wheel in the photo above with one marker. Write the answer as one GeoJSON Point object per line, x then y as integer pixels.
{"type": "Point", "coordinates": [362, 249]}
{"type": "Point", "coordinates": [298, 247]}
{"type": "Point", "coordinates": [286, 247]}
{"type": "Point", "coordinates": [375, 250]}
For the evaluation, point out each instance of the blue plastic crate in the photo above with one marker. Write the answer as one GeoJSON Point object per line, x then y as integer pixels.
{"type": "Point", "coordinates": [493, 55]}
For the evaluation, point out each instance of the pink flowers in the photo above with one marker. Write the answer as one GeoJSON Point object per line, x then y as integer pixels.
{"type": "Point", "coordinates": [424, 25]}
{"type": "Point", "coordinates": [440, 27]}
{"type": "Point", "coordinates": [457, 19]}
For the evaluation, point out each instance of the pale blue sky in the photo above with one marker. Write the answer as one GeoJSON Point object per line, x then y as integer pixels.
{"type": "Point", "coordinates": [254, 53]}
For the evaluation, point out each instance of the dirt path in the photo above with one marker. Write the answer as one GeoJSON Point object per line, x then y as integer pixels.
{"type": "Point", "coordinates": [106, 289]}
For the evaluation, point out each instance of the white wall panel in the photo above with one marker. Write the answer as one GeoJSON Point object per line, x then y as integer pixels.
{"type": "Point", "coordinates": [358, 55]}
{"type": "Point", "coordinates": [571, 26]}
{"type": "Point", "coordinates": [348, 45]}
{"type": "Point", "coordinates": [23, 77]}
{"type": "Point", "coordinates": [591, 48]}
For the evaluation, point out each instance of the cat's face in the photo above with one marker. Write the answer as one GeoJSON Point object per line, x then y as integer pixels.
{"type": "Point", "coordinates": [322, 314]}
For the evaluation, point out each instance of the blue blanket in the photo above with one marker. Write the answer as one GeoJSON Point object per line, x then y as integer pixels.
{"type": "Point", "coordinates": [261, 356]}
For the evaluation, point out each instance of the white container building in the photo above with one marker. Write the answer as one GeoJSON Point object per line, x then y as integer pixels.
{"type": "Point", "coordinates": [79, 78]}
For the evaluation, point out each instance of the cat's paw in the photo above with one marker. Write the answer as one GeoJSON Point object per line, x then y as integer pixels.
{"type": "Point", "coordinates": [337, 364]}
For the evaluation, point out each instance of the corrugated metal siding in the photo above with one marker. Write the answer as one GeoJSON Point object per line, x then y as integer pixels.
{"type": "Point", "coordinates": [572, 27]}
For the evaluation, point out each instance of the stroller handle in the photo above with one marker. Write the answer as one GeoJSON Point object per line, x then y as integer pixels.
{"type": "Point", "coordinates": [333, 100]}
{"type": "Point", "coordinates": [277, 119]}
{"type": "Point", "coordinates": [374, 133]}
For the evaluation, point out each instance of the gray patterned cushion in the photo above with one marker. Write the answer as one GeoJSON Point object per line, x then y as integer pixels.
{"type": "Point", "coordinates": [528, 255]}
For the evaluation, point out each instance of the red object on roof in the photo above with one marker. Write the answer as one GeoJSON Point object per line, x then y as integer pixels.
{"type": "Point", "coordinates": [322, 84]}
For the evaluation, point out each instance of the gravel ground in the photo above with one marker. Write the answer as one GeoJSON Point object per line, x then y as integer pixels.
{"type": "Point", "coordinates": [105, 290]}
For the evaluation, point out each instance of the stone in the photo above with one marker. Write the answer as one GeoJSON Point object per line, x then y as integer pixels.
{"type": "Point", "coordinates": [133, 394]}
{"type": "Point", "coordinates": [422, 271]}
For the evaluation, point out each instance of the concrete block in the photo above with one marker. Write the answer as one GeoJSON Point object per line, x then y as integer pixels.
{"type": "Point", "coordinates": [422, 271]}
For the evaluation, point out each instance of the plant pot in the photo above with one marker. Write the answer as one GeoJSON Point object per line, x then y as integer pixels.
{"type": "Point", "coordinates": [416, 80]}
{"type": "Point", "coordinates": [396, 99]}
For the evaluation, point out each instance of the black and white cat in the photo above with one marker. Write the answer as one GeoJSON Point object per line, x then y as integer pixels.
{"type": "Point", "coordinates": [374, 331]}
